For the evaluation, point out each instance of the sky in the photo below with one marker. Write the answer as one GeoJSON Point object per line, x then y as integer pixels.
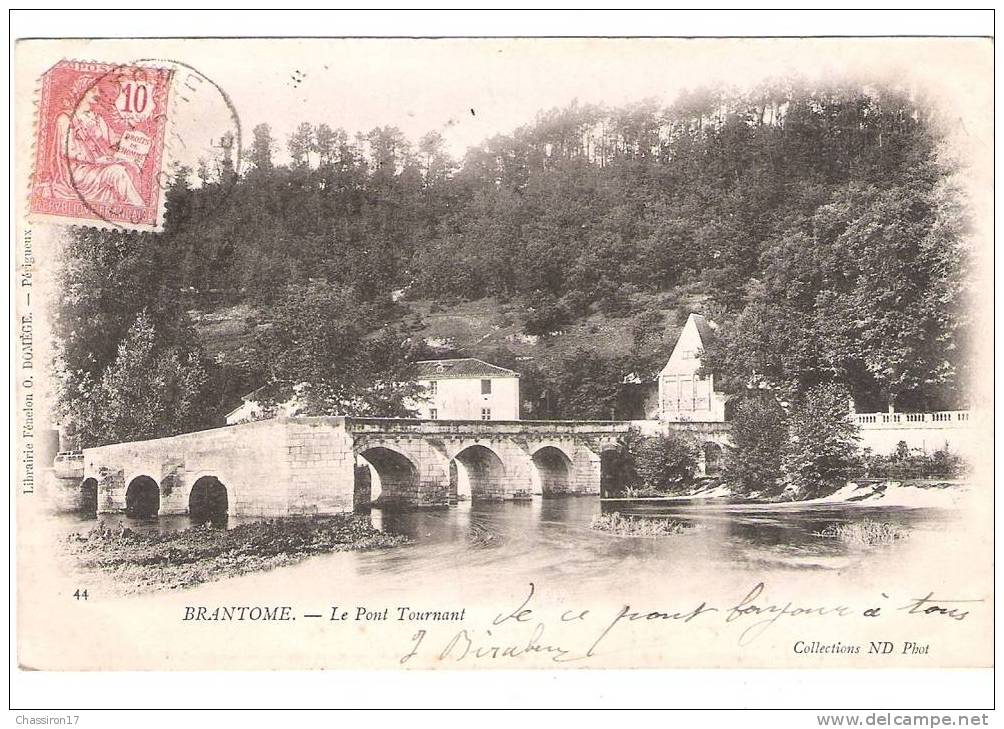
{"type": "Point", "coordinates": [472, 89]}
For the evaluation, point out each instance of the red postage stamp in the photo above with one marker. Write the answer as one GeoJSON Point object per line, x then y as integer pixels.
{"type": "Point", "coordinates": [100, 155]}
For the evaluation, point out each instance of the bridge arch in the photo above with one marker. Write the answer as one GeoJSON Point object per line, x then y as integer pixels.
{"type": "Point", "coordinates": [142, 497]}
{"type": "Point", "coordinates": [208, 500]}
{"type": "Point", "coordinates": [362, 485]}
{"type": "Point", "coordinates": [479, 468]}
{"type": "Point", "coordinates": [397, 475]}
{"type": "Point", "coordinates": [89, 495]}
{"type": "Point", "coordinates": [712, 458]}
{"type": "Point", "coordinates": [554, 469]}
{"type": "Point", "coordinates": [616, 471]}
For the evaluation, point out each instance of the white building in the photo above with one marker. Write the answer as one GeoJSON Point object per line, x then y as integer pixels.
{"type": "Point", "coordinates": [250, 409]}
{"type": "Point", "coordinates": [685, 396]}
{"type": "Point", "coordinates": [452, 389]}
{"type": "Point", "coordinates": [466, 389]}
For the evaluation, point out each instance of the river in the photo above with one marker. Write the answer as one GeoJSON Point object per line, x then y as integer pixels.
{"type": "Point", "coordinates": [551, 539]}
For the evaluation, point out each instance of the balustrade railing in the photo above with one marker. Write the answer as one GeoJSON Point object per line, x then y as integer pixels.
{"type": "Point", "coordinates": [944, 417]}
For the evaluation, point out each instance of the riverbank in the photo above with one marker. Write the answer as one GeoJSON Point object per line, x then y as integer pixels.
{"type": "Point", "coordinates": [142, 562]}
{"type": "Point", "coordinates": [915, 493]}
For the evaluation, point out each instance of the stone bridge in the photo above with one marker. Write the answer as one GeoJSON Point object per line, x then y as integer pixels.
{"type": "Point", "coordinates": [322, 465]}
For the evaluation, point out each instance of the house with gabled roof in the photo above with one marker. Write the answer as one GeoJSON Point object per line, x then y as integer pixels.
{"type": "Point", "coordinates": [466, 389]}
{"type": "Point", "coordinates": [684, 394]}
{"type": "Point", "coordinates": [449, 389]}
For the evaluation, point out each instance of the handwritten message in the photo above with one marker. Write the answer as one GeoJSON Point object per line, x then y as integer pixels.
{"type": "Point", "coordinates": [752, 616]}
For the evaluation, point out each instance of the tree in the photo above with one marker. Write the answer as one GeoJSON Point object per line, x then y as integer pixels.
{"type": "Point", "coordinates": [546, 315]}
{"type": "Point", "coordinates": [584, 384]}
{"type": "Point", "coordinates": [894, 308]}
{"type": "Point", "coordinates": [759, 437]}
{"type": "Point", "coordinates": [664, 463]}
{"type": "Point", "coordinates": [817, 224]}
{"type": "Point", "coordinates": [301, 144]}
{"type": "Point", "coordinates": [872, 297]}
{"type": "Point", "coordinates": [437, 165]}
{"type": "Point", "coordinates": [822, 442]}
{"type": "Point", "coordinates": [225, 162]}
{"type": "Point", "coordinates": [261, 148]}
{"type": "Point", "coordinates": [765, 345]}
{"type": "Point", "coordinates": [323, 348]}
{"type": "Point", "coordinates": [148, 391]}
{"type": "Point", "coordinates": [327, 143]}
{"type": "Point", "coordinates": [389, 150]}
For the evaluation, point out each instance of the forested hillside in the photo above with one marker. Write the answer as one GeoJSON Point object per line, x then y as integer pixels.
{"type": "Point", "coordinates": [817, 226]}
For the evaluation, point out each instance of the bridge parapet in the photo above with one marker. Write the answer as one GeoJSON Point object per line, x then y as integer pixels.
{"type": "Point", "coordinates": [488, 427]}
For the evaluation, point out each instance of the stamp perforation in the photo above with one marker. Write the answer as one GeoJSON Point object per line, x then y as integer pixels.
{"type": "Point", "coordinates": [111, 191]}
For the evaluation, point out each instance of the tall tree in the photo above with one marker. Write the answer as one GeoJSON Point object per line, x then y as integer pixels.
{"type": "Point", "coordinates": [322, 348]}
{"type": "Point", "coordinates": [301, 144]}
{"type": "Point", "coordinates": [147, 391]}
{"type": "Point", "coordinates": [262, 145]}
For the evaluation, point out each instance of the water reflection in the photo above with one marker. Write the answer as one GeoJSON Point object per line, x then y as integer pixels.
{"type": "Point", "coordinates": [166, 524]}
{"type": "Point", "coordinates": [553, 537]}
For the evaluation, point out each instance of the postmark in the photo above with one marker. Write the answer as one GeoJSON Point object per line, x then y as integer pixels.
{"type": "Point", "coordinates": [100, 152]}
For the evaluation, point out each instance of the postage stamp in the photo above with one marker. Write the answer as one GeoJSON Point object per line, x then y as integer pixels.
{"type": "Point", "coordinates": [100, 155]}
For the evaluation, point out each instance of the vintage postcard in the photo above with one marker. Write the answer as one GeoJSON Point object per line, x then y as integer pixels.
{"type": "Point", "coordinates": [504, 353]}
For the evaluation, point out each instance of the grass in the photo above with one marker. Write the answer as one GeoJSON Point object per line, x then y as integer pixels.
{"type": "Point", "coordinates": [638, 526]}
{"type": "Point", "coordinates": [866, 533]}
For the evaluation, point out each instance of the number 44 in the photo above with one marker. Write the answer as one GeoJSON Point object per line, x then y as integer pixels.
{"type": "Point", "coordinates": [80, 594]}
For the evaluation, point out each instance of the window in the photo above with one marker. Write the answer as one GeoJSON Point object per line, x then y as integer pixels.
{"type": "Point", "coordinates": [433, 414]}
{"type": "Point", "coordinates": [486, 413]}
{"type": "Point", "coordinates": [433, 387]}
{"type": "Point", "coordinates": [486, 387]}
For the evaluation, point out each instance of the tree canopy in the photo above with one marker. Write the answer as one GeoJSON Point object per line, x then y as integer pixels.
{"type": "Point", "coordinates": [818, 220]}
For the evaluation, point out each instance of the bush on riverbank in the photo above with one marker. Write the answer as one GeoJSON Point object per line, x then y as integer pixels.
{"type": "Point", "coordinates": [657, 465]}
{"type": "Point", "coordinates": [804, 450]}
{"type": "Point", "coordinates": [202, 553]}
{"type": "Point", "coordinates": [906, 463]}
{"type": "Point", "coordinates": [637, 526]}
{"type": "Point", "coordinates": [665, 463]}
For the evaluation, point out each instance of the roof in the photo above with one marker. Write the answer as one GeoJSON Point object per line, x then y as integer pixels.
{"type": "Point", "coordinates": [704, 328]}
{"type": "Point", "coordinates": [705, 331]}
{"type": "Point", "coordinates": [439, 369]}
